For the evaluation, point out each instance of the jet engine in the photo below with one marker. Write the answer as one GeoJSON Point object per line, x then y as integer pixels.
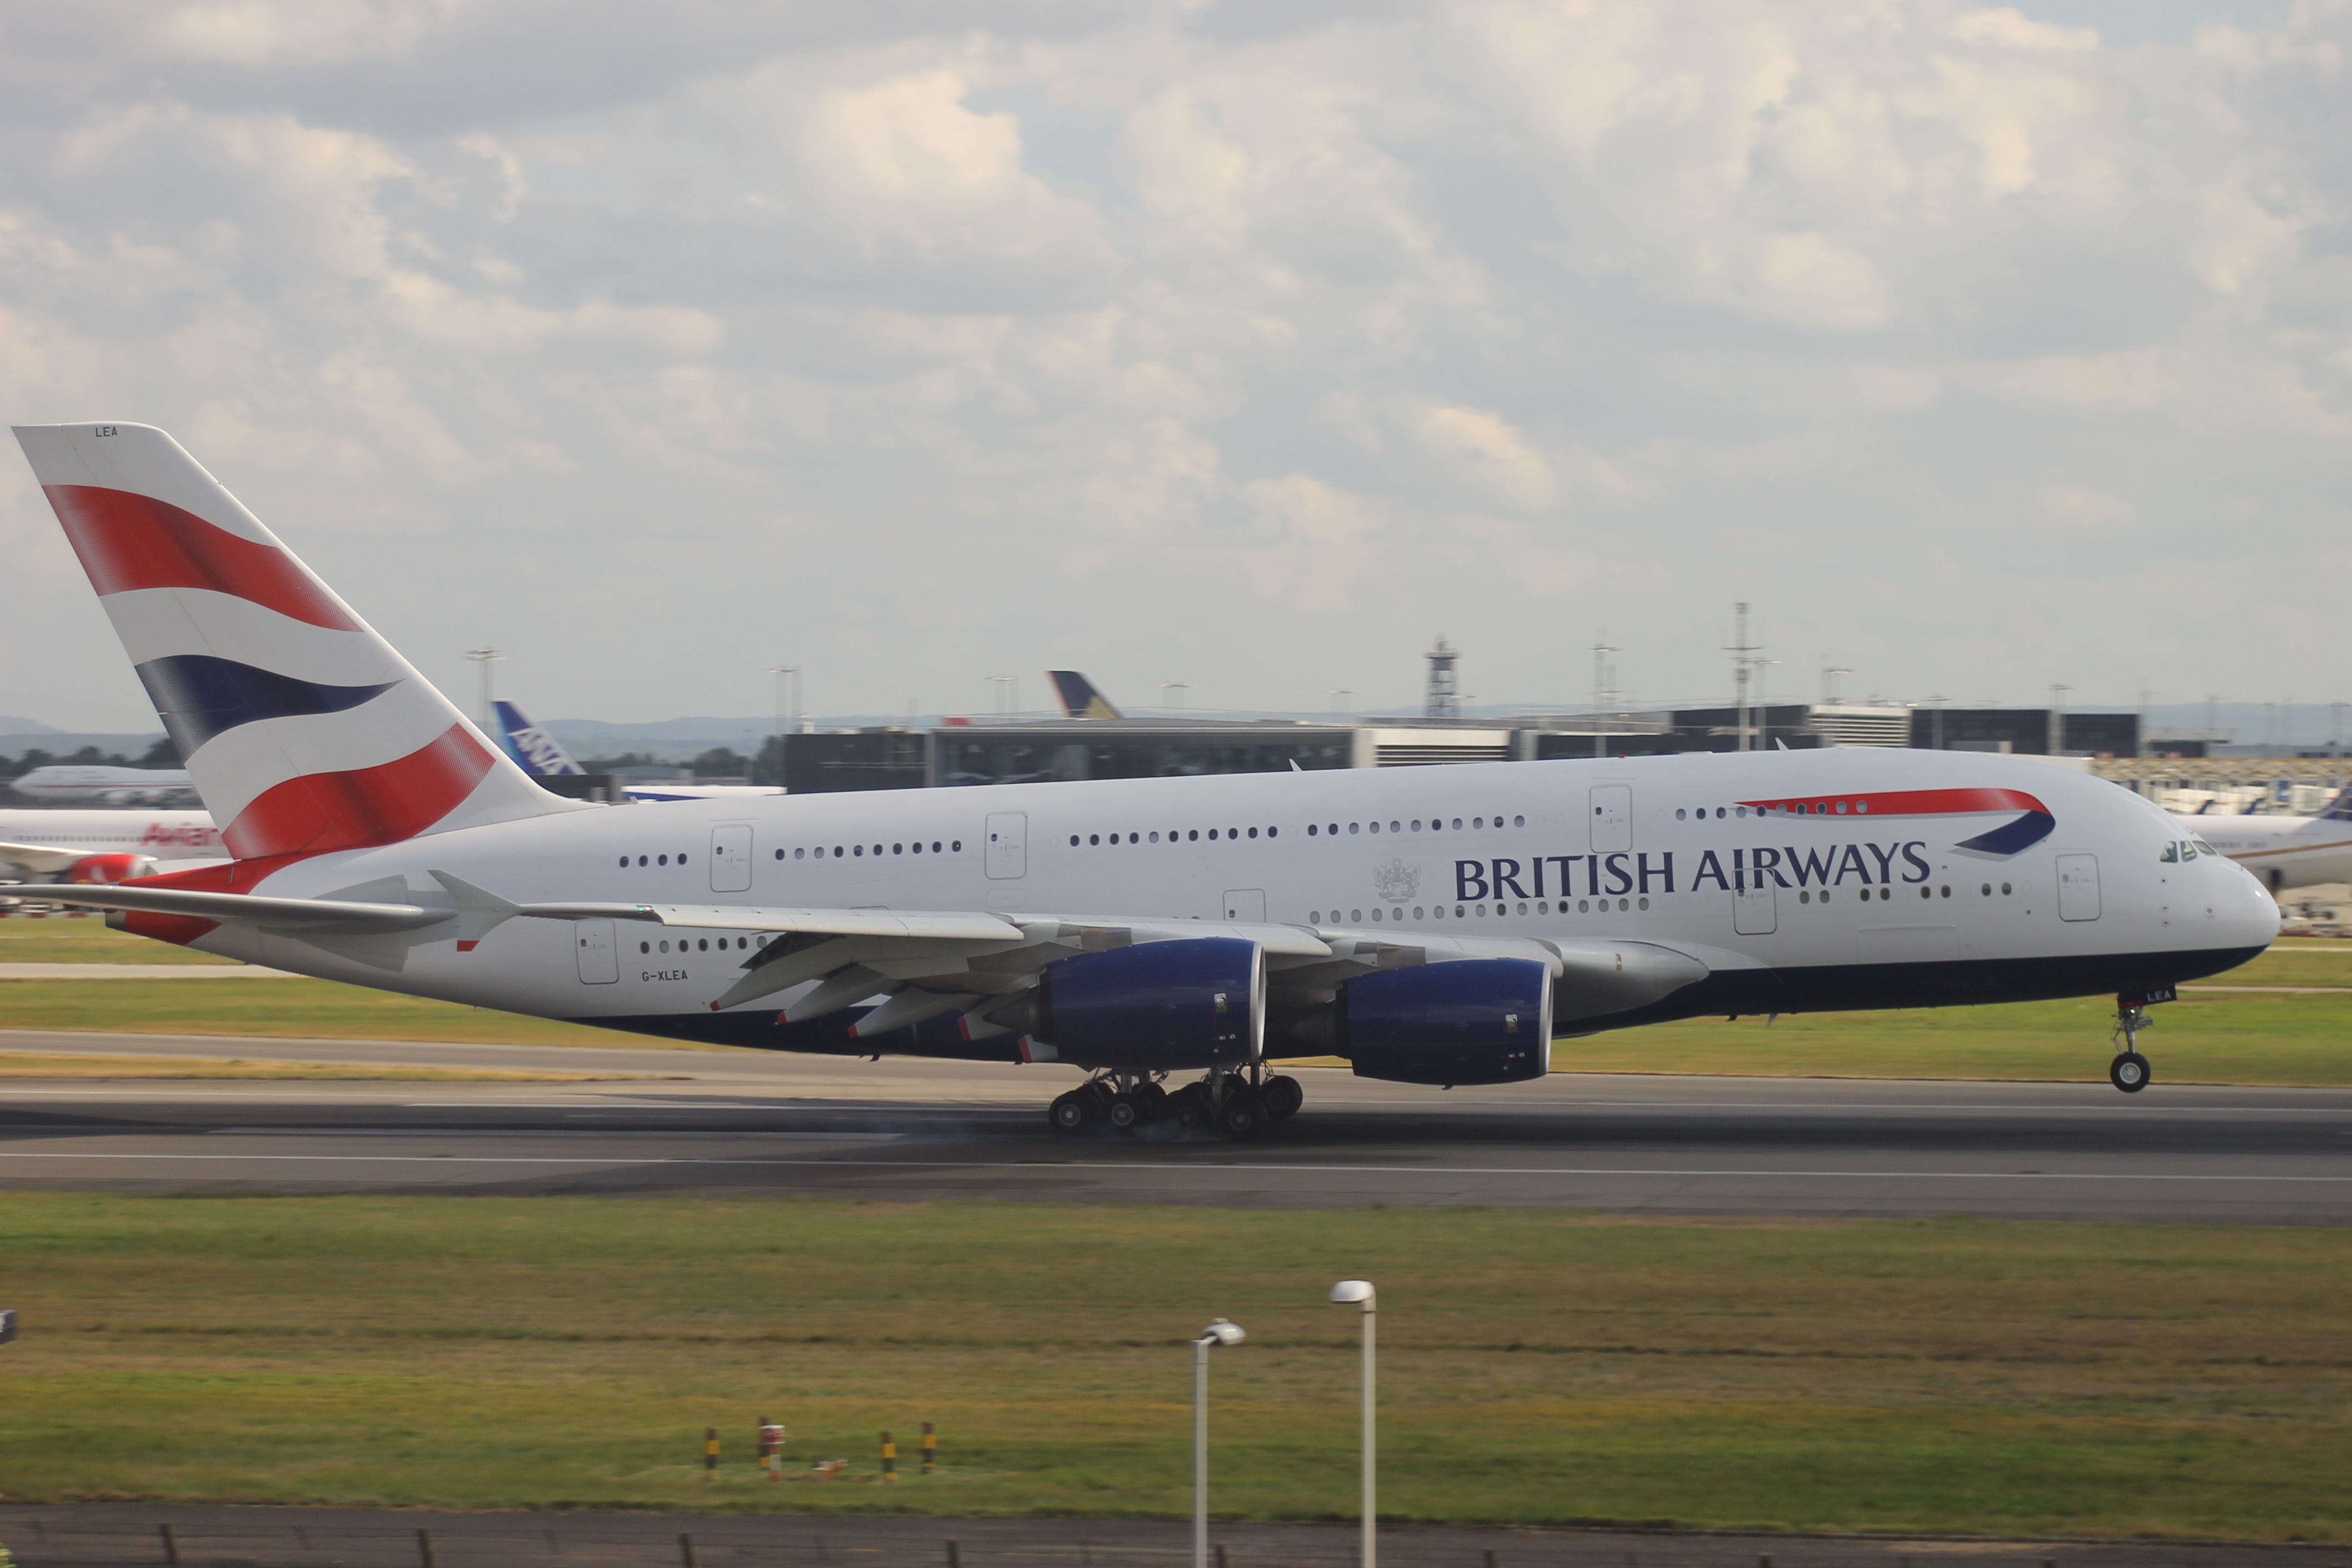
{"type": "Point", "coordinates": [1158, 1006]}
{"type": "Point", "coordinates": [1477, 1020]}
{"type": "Point", "coordinates": [102, 870]}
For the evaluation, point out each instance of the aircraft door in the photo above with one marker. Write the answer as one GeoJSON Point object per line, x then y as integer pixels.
{"type": "Point", "coordinates": [1754, 911]}
{"type": "Point", "coordinates": [1008, 839]}
{"type": "Point", "coordinates": [1246, 904]}
{"type": "Point", "coordinates": [730, 857]}
{"type": "Point", "coordinates": [600, 960]}
{"type": "Point", "coordinates": [1612, 817]}
{"type": "Point", "coordinates": [2078, 886]}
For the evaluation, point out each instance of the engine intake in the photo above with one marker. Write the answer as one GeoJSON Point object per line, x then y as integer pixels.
{"type": "Point", "coordinates": [1478, 1020]}
{"type": "Point", "coordinates": [1158, 1006]}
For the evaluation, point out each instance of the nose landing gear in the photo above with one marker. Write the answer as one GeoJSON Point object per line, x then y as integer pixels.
{"type": "Point", "coordinates": [2129, 1071]}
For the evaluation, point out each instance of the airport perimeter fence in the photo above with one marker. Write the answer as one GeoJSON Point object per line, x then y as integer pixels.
{"type": "Point", "coordinates": [256, 1538]}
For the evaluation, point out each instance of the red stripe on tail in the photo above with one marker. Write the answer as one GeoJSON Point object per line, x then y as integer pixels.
{"type": "Point", "coordinates": [319, 813]}
{"type": "Point", "coordinates": [128, 541]}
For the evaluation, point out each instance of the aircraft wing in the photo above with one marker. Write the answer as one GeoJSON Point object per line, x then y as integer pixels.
{"type": "Point", "coordinates": [921, 962]}
{"type": "Point", "coordinates": [41, 859]}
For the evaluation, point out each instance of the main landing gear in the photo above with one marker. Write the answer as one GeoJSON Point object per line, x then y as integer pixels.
{"type": "Point", "coordinates": [1238, 1103]}
{"type": "Point", "coordinates": [2129, 1071]}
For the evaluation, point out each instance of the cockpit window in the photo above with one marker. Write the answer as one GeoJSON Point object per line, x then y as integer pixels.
{"type": "Point", "coordinates": [2171, 855]}
{"type": "Point", "coordinates": [2203, 848]}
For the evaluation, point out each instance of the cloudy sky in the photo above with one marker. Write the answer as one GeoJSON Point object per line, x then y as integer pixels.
{"type": "Point", "coordinates": [1248, 345]}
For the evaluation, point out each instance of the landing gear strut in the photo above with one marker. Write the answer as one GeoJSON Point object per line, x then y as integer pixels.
{"type": "Point", "coordinates": [2129, 1071]}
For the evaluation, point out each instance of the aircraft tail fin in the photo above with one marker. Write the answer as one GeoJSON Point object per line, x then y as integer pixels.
{"type": "Point", "coordinates": [302, 729]}
{"type": "Point", "coordinates": [2341, 808]}
{"type": "Point", "coordinates": [535, 751]}
{"type": "Point", "coordinates": [1079, 697]}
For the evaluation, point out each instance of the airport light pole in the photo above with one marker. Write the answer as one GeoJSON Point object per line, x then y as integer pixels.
{"type": "Point", "coordinates": [784, 674]}
{"type": "Point", "coordinates": [485, 656]}
{"type": "Point", "coordinates": [1348, 1293]}
{"type": "Point", "coordinates": [1179, 687]}
{"type": "Point", "coordinates": [1219, 1332]}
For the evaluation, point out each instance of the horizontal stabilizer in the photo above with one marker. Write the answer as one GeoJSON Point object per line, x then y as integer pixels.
{"type": "Point", "coordinates": [286, 914]}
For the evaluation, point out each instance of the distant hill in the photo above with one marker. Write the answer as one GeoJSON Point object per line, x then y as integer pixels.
{"type": "Point", "coordinates": [11, 725]}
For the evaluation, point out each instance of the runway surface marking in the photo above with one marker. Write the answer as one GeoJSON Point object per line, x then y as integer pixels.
{"type": "Point", "coordinates": [1204, 1167]}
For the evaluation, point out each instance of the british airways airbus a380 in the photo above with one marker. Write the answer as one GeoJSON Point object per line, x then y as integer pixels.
{"type": "Point", "coordinates": [1432, 925]}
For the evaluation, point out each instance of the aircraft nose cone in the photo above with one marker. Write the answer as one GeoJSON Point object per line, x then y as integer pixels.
{"type": "Point", "coordinates": [2247, 915]}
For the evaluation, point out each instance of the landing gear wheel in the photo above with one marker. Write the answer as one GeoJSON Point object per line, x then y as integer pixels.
{"type": "Point", "coordinates": [1124, 1113]}
{"type": "Point", "coordinates": [1152, 1101]}
{"type": "Point", "coordinates": [1241, 1114]}
{"type": "Point", "coordinates": [1189, 1108]}
{"type": "Point", "coordinates": [1072, 1111]}
{"type": "Point", "coordinates": [2129, 1072]}
{"type": "Point", "coordinates": [1282, 1097]}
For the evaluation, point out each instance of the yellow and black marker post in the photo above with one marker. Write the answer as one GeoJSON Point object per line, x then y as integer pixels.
{"type": "Point", "coordinates": [889, 1458]}
{"type": "Point", "coordinates": [710, 1453]}
{"type": "Point", "coordinates": [930, 1449]}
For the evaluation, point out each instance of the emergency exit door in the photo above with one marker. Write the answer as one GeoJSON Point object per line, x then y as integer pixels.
{"type": "Point", "coordinates": [600, 961]}
{"type": "Point", "coordinates": [1246, 904]}
{"type": "Point", "coordinates": [2078, 886]}
{"type": "Point", "coordinates": [1612, 817]}
{"type": "Point", "coordinates": [1007, 845]}
{"type": "Point", "coordinates": [730, 857]}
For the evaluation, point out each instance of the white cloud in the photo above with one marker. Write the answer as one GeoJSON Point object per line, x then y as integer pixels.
{"type": "Point", "coordinates": [1242, 347]}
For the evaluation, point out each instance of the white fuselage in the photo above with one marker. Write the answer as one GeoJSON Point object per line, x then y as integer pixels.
{"type": "Point", "coordinates": [2283, 852]}
{"type": "Point", "coordinates": [1852, 910]}
{"type": "Point", "coordinates": [95, 783]}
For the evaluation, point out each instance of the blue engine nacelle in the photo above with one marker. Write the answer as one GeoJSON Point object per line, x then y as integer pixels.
{"type": "Point", "coordinates": [1155, 1006]}
{"type": "Point", "coordinates": [1478, 1020]}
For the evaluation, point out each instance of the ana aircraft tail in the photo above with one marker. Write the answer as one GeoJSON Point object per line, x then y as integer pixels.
{"type": "Point", "coordinates": [1079, 697]}
{"type": "Point", "coordinates": [535, 751]}
{"type": "Point", "coordinates": [303, 730]}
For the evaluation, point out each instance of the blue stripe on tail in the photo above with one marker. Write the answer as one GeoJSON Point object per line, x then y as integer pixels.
{"type": "Point", "coordinates": [198, 696]}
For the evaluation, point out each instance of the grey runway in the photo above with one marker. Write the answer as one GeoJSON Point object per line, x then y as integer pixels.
{"type": "Point", "coordinates": [746, 1122]}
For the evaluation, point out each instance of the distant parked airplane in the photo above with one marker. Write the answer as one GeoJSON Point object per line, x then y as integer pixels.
{"type": "Point", "coordinates": [540, 754]}
{"type": "Point", "coordinates": [101, 847]}
{"type": "Point", "coordinates": [115, 786]}
{"type": "Point", "coordinates": [2285, 851]}
{"type": "Point", "coordinates": [1079, 697]}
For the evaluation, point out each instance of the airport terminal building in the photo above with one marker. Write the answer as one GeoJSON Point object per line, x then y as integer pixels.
{"type": "Point", "coordinates": [1036, 751]}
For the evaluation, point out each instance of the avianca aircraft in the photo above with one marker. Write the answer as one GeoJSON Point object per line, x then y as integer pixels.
{"type": "Point", "coordinates": [1432, 925]}
{"type": "Point", "coordinates": [2285, 851]}
{"type": "Point", "coordinates": [104, 845]}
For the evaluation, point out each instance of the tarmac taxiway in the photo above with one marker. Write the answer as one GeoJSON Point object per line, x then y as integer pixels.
{"type": "Point", "coordinates": [915, 1130]}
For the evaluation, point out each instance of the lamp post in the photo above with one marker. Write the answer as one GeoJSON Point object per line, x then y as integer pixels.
{"type": "Point", "coordinates": [1219, 1332]}
{"type": "Point", "coordinates": [1351, 1293]}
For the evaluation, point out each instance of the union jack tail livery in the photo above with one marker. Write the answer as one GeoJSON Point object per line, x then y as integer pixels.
{"type": "Point", "coordinates": [303, 730]}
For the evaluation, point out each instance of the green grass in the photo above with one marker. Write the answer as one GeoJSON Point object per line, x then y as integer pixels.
{"type": "Point", "coordinates": [303, 1009]}
{"type": "Point", "coordinates": [2204, 1038]}
{"type": "Point", "coordinates": [86, 940]}
{"type": "Point", "coordinates": [1946, 1375]}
